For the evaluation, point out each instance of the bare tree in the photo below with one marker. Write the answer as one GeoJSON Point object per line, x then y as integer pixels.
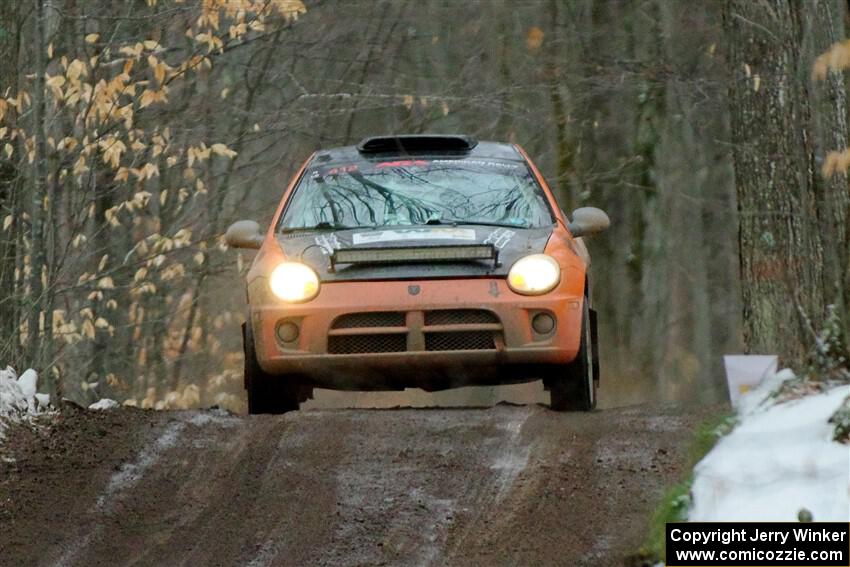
{"type": "Point", "coordinates": [792, 238]}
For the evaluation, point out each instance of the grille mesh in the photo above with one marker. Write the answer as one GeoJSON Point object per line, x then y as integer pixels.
{"type": "Point", "coordinates": [463, 340]}
{"type": "Point", "coordinates": [459, 317]}
{"type": "Point", "coordinates": [374, 319]}
{"type": "Point", "coordinates": [397, 342]}
{"type": "Point", "coordinates": [361, 344]}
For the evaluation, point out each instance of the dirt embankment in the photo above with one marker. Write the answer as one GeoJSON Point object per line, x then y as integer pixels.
{"type": "Point", "coordinates": [509, 485]}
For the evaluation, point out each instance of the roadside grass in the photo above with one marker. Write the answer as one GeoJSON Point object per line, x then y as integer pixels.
{"type": "Point", "coordinates": [674, 504]}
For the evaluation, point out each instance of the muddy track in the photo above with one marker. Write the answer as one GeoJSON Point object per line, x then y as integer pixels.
{"type": "Point", "coordinates": [509, 485]}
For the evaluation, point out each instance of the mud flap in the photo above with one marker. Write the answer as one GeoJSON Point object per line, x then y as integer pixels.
{"type": "Point", "coordinates": [594, 342]}
{"type": "Point", "coordinates": [245, 354]}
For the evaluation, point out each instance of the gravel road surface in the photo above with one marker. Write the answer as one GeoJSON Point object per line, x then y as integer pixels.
{"type": "Point", "coordinates": [507, 485]}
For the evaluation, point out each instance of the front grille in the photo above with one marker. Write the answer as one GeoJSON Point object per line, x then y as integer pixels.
{"type": "Point", "coordinates": [373, 319]}
{"type": "Point", "coordinates": [452, 330]}
{"type": "Point", "coordinates": [460, 340]}
{"type": "Point", "coordinates": [459, 317]}
{"type": "Point", "coordinates": [361, 344]}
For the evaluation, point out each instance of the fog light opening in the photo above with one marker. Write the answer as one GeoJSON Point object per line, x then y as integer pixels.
{"type": "Point", "coordinates": [287, 331]}
{"type": "Point", "coordinates": [543, 323]}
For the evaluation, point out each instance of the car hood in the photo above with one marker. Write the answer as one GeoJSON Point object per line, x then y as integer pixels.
{"type": "Point", "coordinates": [316, 248]}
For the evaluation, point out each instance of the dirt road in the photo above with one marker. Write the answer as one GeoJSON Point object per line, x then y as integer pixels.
{"type": "Point", "coordinates": [509, 485]}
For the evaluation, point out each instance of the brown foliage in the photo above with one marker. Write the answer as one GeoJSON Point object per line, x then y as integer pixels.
{"type": "Point", "coordinates": [836, 59]}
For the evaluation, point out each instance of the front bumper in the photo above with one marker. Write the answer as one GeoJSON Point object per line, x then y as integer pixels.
{"type": "Point", "coordinates": [482, 333]}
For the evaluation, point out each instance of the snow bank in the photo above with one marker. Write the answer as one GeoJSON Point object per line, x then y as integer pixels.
{"type": "Point", "coordinates": [779, 459]}
{"type": "Point", "coordinates": [19, 398]}
{"type": "Point", "coordinates": [13, 401]}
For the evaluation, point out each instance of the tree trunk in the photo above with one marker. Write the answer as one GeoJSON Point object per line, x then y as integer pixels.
{"type": "Point", "coordinates": [10, 198]}
{"type": "Point", "coordinates": [38, 248]}
{"type": "Point", "coordinates": [823, 25]}
{"type": "Point", "coordinates": [783, 257]}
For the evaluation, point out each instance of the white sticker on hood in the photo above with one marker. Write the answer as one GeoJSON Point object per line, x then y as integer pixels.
{"type": "Point", "coordinates": [413, 234]}
{"type": "Point", "coordinates": [327, 243]}
{"type": "Point", "coordinates": [500, 237]}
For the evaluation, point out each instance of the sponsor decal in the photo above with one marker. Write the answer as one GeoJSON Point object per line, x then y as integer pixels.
{"type": "Point", "coordinates": [413, 234]}
{"type": "Point", "coordinates": [342, 169]}
{"type": "Point", "coordinates": [402, 163]}
{"type": "Point", "coordinates": [478, 162]}
{"type": "Point", "coordinates": [500, 237]}
{"type": "Point", "coordinates": [328, 243]}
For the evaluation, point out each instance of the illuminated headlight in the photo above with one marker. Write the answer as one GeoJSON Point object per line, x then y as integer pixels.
{"type": "Point", "coordinates": [294, 282]}
{"type": "Point", "coordinates": [534, 275]}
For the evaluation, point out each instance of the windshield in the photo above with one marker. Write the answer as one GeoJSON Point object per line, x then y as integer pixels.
{"type": "Point", "coordinates": [417, 192]}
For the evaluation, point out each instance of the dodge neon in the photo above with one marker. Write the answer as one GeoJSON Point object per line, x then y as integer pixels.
{"type": "Point", "coordinates": [419, 261]}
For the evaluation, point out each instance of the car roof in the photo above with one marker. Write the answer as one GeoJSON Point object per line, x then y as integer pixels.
{"type": "Point", "coordinates": [454, 145]}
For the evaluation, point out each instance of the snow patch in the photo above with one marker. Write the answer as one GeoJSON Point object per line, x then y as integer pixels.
{"type": "Point", "coordinates": [27, 382]}
{"type": "Point", "coordinates": [19, 398]}
{"type": "Point", "coordinates": [217, 416]}
{"type": "Point", "coordinates": [433, 532]}
{"type": "Point", "coordinates": [128, 476]}
{"type": "Point", "coordinates": [779, 459]}
{"type": "Point", "coordinates": [131, 473]}
{"type": "Point", "coordinates": [762, 396]}
{"type": "Point", "coordinates": [104, 404]}
{"type": "Point", "coordinates": [513, 458]}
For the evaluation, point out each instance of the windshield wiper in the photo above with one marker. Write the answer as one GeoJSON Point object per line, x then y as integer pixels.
{"type": "Point", "coordinates": [324, 225]}
{"type": "Point", "coordinates": [455, 222]}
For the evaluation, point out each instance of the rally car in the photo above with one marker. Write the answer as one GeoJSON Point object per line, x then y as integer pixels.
{"type": "Point", "coordinates": [419, 261]}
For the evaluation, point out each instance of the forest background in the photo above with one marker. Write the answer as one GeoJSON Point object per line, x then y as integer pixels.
{"type": "Point", "coordinates": [132, 133]}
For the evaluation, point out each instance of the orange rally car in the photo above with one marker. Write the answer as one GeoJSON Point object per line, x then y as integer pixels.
{"type": "Point", "coordinates": [419, 261]}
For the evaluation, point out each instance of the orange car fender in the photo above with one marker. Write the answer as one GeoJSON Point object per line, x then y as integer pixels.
{"type": "Point", "coordinates": [573, 268]}
{"type": "Point", "coordinates": [267, 258]}
{"type": "Point", "coordinates": [573, 279]}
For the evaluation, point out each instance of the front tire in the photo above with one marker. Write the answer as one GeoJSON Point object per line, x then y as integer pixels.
{"type": "Point", "coordinates": [267, 393]}
{"type": "Point", "coordinates": [575, 388]}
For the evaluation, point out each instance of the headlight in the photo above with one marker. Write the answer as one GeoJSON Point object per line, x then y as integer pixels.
{"type": "Point", "coordinates": [534, 275]}
{"type": "Point", "coordinates": [294, 282]}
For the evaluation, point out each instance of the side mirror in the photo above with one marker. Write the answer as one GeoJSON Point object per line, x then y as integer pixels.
{"type": "Point", "coordinates": [587, 221]}
{"type": "Point", "coordinates": [244, 234]}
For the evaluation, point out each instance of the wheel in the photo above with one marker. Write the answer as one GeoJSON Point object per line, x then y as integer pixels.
{"type": "Point", "coordinates": [267, 393]}
{"type": "Point", "coordinates": [575, 388]}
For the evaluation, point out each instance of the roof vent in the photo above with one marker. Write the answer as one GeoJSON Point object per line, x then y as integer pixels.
{"type": "Point", "coordinates": [417, 144]}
